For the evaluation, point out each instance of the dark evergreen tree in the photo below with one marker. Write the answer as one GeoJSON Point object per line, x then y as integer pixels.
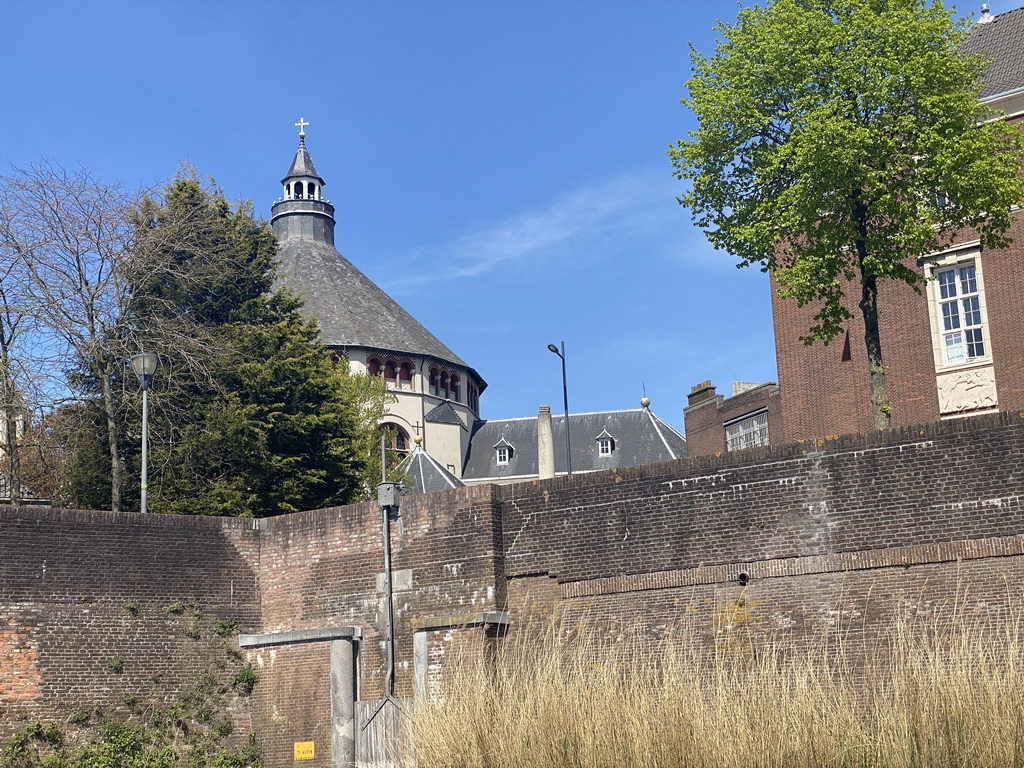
{"type": "Point", "coordinates": [248, 416]}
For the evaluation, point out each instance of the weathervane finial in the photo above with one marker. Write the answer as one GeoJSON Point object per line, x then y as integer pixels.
{"type": "Point", "coordinates": [302, 126]}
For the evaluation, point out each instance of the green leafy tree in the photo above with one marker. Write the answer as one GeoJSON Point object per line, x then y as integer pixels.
{"type": "Point", "coordinates": [248, 414]}
{"type": "Point", "coordinates": [838, 142]}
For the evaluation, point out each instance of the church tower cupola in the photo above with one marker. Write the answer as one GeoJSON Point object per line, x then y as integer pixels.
{"type": "Point", "coordinates": [302, 213]}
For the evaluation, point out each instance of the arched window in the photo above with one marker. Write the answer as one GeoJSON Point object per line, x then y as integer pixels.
{"type": "Point", "coordinates": [396, 440]}
{"type": "Point", "coordinates": [390, 372]}
{"type": "Point", "coordinates": [298, 190]}
{"type": "Point", "coordinates": [453, 387]}
{"type": "Point", "coordinates": [444, 384]}
{"type": "Point", "coordinates": [373, 366]}
{"type": "Point", "coordinates": [433, 381]}
{"type": "Point", "coordinates": [311, 191]}
{"type": "Point", "coordinates": [405, 376]}
{"type": "Point", "coordinates": [287, 191]}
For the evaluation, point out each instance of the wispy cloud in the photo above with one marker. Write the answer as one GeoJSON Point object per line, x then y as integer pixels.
{"type": "Point", "coordinates": [583, 226]}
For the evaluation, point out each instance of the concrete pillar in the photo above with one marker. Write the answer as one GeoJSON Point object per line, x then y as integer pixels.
{"type": "Point", "coordinates": [545, 444]}
{"type": "Point", "coordinates": [343, 703]}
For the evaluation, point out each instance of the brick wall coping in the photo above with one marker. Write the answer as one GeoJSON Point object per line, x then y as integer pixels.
{"type": "Point", "coordinates": [462, 620]}
{"type": "Point", "coordinates": [738, 573]}
{"type": "Point", "coordinates": [37, 512]}
{"type": "Point", "coordinates": [300, 636]}
{"type": "Point", "coordinates": [804, 449]}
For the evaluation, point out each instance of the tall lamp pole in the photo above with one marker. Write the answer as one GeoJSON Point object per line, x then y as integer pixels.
{"type": "Point", "coordinates": [565, 400]}
{"type": "Point", "coordinates": [145, 364]}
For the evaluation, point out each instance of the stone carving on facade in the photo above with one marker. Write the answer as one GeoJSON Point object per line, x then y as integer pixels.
{"type": "Point", "coordinates": [965, 391]}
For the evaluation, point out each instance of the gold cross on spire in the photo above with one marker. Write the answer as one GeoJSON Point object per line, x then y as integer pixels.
{"type": "Point", "coordinates": [302, 125]}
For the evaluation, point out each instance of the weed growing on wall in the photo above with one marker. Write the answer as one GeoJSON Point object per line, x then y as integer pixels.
{"type": "Point", "coordinates": [152, 727]}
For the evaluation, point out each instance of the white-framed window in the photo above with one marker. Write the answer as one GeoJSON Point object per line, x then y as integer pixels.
{"type": "Point", "coordinates": [605, 446]}
{"type": "Point", "coordinates": [957, 308]}
{"type": "Point", "coordinates": [748, 432]}
{"type": "Point", "coordinates": [504, 453]}
{"type": "Point", "coordinates": [963, 335]}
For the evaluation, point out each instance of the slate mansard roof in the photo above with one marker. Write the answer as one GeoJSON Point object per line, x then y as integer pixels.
{"type": "Point", "coordinates": [351, 309]}
{"type": "Point", "coordinates": [640, 438]}
{"type": "Point", "coordinates": [1002, 41]}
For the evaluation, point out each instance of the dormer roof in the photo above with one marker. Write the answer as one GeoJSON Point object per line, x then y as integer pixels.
{"type": "Point", "coordinates": [1002, 40]}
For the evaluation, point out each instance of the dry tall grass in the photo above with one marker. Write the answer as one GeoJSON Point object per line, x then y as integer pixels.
{"type": "Point", "coordinates": [935, 694]}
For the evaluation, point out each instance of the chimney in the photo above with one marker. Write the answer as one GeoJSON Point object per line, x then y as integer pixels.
{"type": "Point", "coordinates": [701, 393]}
{"type": "Point", "coordinates": [545, 444]}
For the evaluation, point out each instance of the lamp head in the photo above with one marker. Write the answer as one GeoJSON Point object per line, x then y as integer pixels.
{"type": "Point", "coordinates": [554, 349]}
{"type": "Point", "coordinates": [145, 364]}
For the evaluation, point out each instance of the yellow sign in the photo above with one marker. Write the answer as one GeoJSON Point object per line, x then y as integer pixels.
{"type": "Point", "coordinates": [304, 750]}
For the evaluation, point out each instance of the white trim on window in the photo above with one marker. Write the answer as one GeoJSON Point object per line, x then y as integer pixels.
{"type": "Point", "coordinates": [957, 310]}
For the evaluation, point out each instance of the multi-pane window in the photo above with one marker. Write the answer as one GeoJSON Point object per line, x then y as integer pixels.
{"type": "Point", "coordinates": [747, 432]}
{"type": "Point", "coordinates": [962, 333]}
{"type": "Point", "coordinates": [504, 454]}
{"type": "Point", "coordinates": [604, 446]}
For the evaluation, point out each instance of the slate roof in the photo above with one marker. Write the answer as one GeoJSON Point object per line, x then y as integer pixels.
{"type": "Point", "coordinates": [302, 165]}
{"type": "Point", "coordinates": [1001, 40]}
{"type": "Point", "coordinates": [425, 475]}
{"type": "Point", "coordinates": [443, 414]}
{"type": "Point", "coordinates": [640, 438]}
{"type": "Point", "coordinates": [351, 309]}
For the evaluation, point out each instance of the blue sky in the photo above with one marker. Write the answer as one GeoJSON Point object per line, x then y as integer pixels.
{"type": "Point", "coordinates": [499, 168]}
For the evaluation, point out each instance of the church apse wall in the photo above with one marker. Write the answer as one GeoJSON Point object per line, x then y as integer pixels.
{"type": "Point", "coordinates": [787, 541]}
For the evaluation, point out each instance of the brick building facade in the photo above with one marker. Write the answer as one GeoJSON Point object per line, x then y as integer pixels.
{"type": "Point", "coordinates": [953, 348]}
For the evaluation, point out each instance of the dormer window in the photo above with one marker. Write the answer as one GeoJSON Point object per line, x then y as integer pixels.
{"type": "Point", "coordinates": [503, 451]}
{"type": "Point", "coordinates": [605, 444]}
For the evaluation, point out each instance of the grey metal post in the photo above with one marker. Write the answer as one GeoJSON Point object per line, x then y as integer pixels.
{"type": "Point", "coordinates": [343, 703]}
{"type": "Point", "coordinates": [145, 448]}
{"type": "Point", "coordinates": [145, 364]}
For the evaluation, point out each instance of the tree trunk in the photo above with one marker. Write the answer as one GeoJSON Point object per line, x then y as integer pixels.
{"type": "Point", "coordinates": [10, 432]}
{"type": "Point", "coordinates": [116, 475]}
{"type": "Point", "coordinates": [880, 407]}
{"type": "Point", "coordinates": [881, 410]}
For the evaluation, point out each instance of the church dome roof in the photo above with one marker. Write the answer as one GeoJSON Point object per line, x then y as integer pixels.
{"type": "Point", "coordinates": [351, 309]}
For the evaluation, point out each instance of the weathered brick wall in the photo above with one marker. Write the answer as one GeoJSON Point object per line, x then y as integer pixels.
{"type": "Point", "coordinates": [850, 534]}
{"type": "Point", "coordinates": [116, 611]}
{"type": "Point", "coordinates": [942, 482]}
{"type": "Point", "coordinates": [791, 541]}
{"type": "Point", "coordinates": [324, 569]}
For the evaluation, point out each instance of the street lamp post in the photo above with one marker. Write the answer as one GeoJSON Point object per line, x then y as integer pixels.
{"type": "Point", "coordinates": [565, 400]}
{"type": "Point", "coordinates": [145, 364]}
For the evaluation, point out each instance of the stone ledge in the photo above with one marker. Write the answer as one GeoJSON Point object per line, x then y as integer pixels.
{"type": "Point", "coordinates": [461, 620]}
{"type": "Point", "coordinates": [300, 636]}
